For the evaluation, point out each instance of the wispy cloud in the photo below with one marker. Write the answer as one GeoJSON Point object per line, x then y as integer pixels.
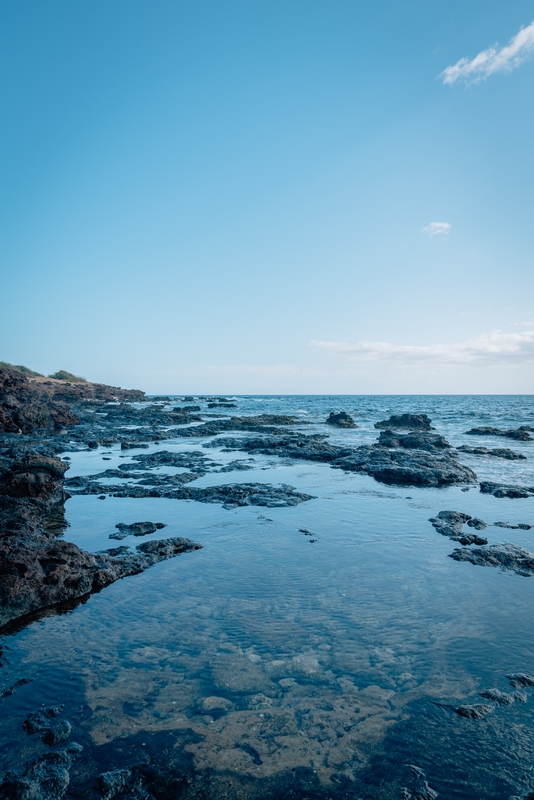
{"type": "Point", "coordinates": [435, 228]}
{"type": "Point", "coordinates": [494, 59]}
{"type": "Point", "coordinates": [493, 349]}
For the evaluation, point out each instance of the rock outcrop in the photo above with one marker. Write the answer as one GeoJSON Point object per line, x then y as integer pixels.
{"type": "Point", "coordinates": [505, 556]}
{"type": "Point", "coordinates": [520, 434]}
{"type": "Point", "coordinates": [409, 422]}
{"type": "Point", "coordinates": [506, 490]}
{"type": "Point", "coordinates": [341, 420]}
{"type": "Point", "coordinates": [406, 466]}
{"type": "Point", "coordinates": [37, 569]}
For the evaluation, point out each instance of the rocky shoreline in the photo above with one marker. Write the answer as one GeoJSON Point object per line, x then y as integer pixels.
{"type": "Point", "coordinates": [42, 418]}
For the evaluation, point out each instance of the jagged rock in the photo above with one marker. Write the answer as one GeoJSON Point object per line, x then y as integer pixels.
{"type": "Point", "coordinates": [415, 440]}
{"type": "Point", "coordinates": [503, 698]}
{"type": "Point", "coordinates": [136, 529]}
{"type": "Point", "coordinates": [229, 495]}
{"type": "Point", "coordinates": [57, 733]}
{"type": "Point", "coordinates": [476, 711]}
{"type": "Point", "coordinates": [44, 778]}
{"type": "Point", "coordinates": [209, 704]}
{"type": "Point", "coordinates": [477, 524]}
{"type": "Point", "coordinates": [11, 689]}
{"type": "Point", "coordinates": [39, 721]}
{"type": "Point", "coordinates": [497, 452]}
{"type": "Point", "coordinates": [520, 679]}
{"type": "Point", "coordinates": [506, 490]}
{"type": "Point", "coordinates": [392, 466]}
{"type": "Point", "coordinates": [24, 407]}
{"type": "Point", "coordinates": [520, 434]}
{"type": "Point", "coordinates": [450, 523]}
{"type": "Point", "coordinates": [506, 556]}
{"type": "Point", "coordinates": [415, 422]}
{"type": "Point", "coordinates": [521, 526]}
{"type": "Point", "coordinates": [134, 445]}
{"type": "Point", "coordinates": [420, 789]}
{"type": "Point", "coordinates": [341, 420]}
{"type": "Point", "coordinates": [114, 782]}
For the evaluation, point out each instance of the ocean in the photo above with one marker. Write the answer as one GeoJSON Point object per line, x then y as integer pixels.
{"type": "Point", "coordinates": [311, 651]}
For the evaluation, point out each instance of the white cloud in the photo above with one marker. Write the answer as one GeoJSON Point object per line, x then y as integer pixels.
{"type": "Point", "coordinates": [494, 349]}
{"type": "Point", "coordinates": [434, 228]}
{"type": "Point", "coordinates": [494, 59]}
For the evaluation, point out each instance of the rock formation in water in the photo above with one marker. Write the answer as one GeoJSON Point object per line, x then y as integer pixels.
{"type": "Point", "coordinates": [409, 422]}
{"type": "Point", "coordinates": [38, 569]}
{"type": "Point", "coordinates": [341, 420]}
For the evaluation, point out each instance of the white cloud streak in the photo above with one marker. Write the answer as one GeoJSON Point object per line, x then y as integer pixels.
{"type": "Point", "coordinates": [494, 59]}
{"type": "Point", "coordinates": [493, 350]}
{"type": "Point", "coordinates": [437, 228]}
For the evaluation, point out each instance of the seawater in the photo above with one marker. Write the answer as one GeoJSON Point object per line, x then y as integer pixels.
{"type": "Point", "coordinates": [271, 653]}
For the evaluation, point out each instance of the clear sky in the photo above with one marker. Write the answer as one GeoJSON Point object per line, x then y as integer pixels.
{"type": "Point", "coordinates": [269, 196]}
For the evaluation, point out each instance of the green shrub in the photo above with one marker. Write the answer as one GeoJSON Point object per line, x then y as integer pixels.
{"type": "Point", "coordinates": [62, 375]}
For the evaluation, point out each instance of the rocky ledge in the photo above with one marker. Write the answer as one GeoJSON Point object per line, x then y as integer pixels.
{"type": "Point", "coordinates": [37, 569]}
{"type": "Point", "coordinates": [505, 556]}
{"type": "Point", "coordinates": [27, 404]}
{"type": "Point", "coordinates": [418, 458]}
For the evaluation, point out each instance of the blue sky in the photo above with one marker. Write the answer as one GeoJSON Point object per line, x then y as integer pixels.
{"type": "Point", "coordinates": [264, 196]}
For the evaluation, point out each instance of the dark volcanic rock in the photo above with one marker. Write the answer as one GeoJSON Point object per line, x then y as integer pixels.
{"type": "Point", "coordinates": [476, 711]}
{"type": "Point", "coordinates": [413, 422]}
{"type": "Point", "coordinates": [520, 434]}
{"type": "Point", "coordinates": [520, 679]}
{"type": "Point", "coordinates": [496, 452]}
{"type": "Point", "coordinates": [341, 420]}
{"type": "Point", "coordinates": [506, 556]}
{"type": "Point", "coordinates": [450, 523]}
{"type": "Point", "coordinates": [136, 529]}
{"type": "Point", "coordinates": [36, 568]}
{"type": "Point", "coordinates": [45, 778]}
{"type": "Point", "coordinates": [230, 495]}
{"type": "Point", "coordinates": [522, 526]}
{"type": "Point", "coordinates": [114, 782]}
{"type": "Point", "coordinates": [477, 524]}
{"type": "Point", "coordinates": [412, 467]}
{"type": "Point", "coordinates": [503, 698]}
{"type": "Point", "coordinates": [57, 733]}
{"type": "Point", "coordinates": [39, 721]}
{"type": "Point", "coordinates": [24, 407]}
{"type": "Point", "coordinates": [415, 440]}
{"type": "Point", "coordinates": [505, 490]}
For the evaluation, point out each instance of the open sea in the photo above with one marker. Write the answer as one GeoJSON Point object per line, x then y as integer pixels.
{"type": "Point", "coordinates": [311, 651]}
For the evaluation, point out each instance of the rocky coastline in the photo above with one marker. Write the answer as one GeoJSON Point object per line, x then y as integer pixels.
{"type": "Point", "coordinates": [42, 418]}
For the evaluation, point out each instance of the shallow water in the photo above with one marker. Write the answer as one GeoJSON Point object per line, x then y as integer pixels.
{"type": "Point", "coordinates": [331, 656]}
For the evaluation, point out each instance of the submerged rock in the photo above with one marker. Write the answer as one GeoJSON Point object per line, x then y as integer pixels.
{"type": "Point", "coordinates": [114, 782]}
{"type": "Point", "coordinates": [503, 698]}
{"type": "Point", "coordinates": [44, 778]}
{"type": "Point", "coordinates": [57, 733]}
{"type": "Point", "coordinates": [414, 422]}
{"type": "Point", "coordinates": [341, 420]}
{"type": "Point", "coordinates": [506, 556]}
{"type": "Point", "coordinates": [39, 721]}
{"type": "Point", "coordinates": [522, 526]}
{"type": "Point", "coordinates": [476, 711]}
{"type": "Point", "coordinates": [520, 679]}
